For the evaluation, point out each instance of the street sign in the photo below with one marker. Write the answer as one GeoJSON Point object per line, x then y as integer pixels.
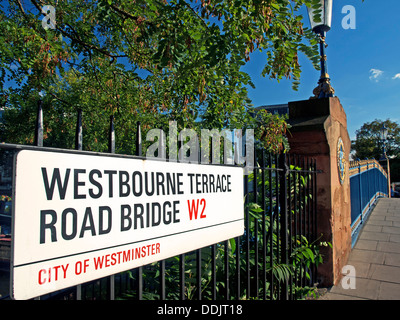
{"type": "Point", "coordinates": [79, 217]}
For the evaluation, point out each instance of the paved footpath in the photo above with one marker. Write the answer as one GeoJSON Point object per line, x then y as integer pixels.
{"type": "Point", "coordinates": [375, 257]}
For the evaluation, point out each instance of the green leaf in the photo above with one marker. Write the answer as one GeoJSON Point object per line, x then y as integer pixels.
{"type": "Point", "coordinates": [275, 6]}
{"type": "Point", "coordinates": [232, 243]}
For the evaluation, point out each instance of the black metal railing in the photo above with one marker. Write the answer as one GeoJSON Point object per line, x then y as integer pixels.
{"type": "Point", "coordinates": [274, 259]}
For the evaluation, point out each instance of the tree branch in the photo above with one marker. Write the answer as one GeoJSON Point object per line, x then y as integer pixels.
{"type": "Point", "coordinates": [124, 13]}
{"type": "Point", "coordinates": [79, 40]}
{"type": "Point", "coordinates": [20, 6]}
{"type": "Point", "coordinates": [36, 5]}
{"type": "Point", "coordinates": [89, 45]}
{"type": "Point", "coordinates": [195, 13]}
{"type": "Point", "coordinates": [59, 99]}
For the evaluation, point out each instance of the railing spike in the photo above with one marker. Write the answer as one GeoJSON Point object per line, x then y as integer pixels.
{"type": "Point", "coordinates": [39, 125]}
{"type": "Point", "coordinates": [79, 133]}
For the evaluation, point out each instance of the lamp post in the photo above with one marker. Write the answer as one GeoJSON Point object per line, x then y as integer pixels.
{"type": "Point", "coordinates": [320, 19]}
{"type": "Point", "coordinates": [384, 135]}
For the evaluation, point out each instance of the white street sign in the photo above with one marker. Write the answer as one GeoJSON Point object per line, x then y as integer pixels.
{"type": "Point", "coordinates": [80, 217]}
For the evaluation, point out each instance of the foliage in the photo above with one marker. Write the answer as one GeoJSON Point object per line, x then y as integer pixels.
{"type": "Point", "coordinates": [369, 144]}
{"type": "Point", "coordinates": [5, 198]}
{"type": "Point", "coordinates": [149, 61]}
{"type": "Point", "coordinates": [303, 253]}
{"type": "Point", "coordinates": [303, 256]}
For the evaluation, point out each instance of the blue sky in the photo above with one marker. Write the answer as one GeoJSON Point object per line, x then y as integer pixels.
{"type": "Point", "coordinates": [362, 63]}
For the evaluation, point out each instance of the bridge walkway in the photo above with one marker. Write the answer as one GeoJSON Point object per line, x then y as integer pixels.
{"type": "Point", "coordinates": [375, 258]}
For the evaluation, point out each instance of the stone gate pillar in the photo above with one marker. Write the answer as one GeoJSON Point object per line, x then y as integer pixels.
{"type": "Point", "coordinates": [319, 130]}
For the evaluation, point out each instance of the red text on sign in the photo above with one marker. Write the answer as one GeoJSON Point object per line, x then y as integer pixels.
{"type": "Point", "coordinates": [194, 208]}
{"type": "Point", "coordinates": [125, 256]}
{"type": "Point", "coordinates": [52, 274]}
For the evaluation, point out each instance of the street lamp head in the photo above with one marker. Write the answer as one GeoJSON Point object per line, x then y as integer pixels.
{"type": "Point", "coordinates": [320, 16]}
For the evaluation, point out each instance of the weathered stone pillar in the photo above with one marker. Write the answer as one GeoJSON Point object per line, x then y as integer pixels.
{"type": "Point", "coordinates": [319, 130]}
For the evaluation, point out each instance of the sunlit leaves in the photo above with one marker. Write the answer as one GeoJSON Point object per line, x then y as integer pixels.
{"type": "Point", "coordinates": [179, 60]}
{"type": "Point", "coordinates": [369, 143]}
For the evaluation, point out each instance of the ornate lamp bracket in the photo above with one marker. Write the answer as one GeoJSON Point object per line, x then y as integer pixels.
{"type": "Point", "coordinates": [324, 88]}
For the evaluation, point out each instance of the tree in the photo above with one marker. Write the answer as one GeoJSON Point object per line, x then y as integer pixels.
{"type": "Point", "coordinates": [369, 144]}
{"type": "Point", "coordinates": [149, 61]}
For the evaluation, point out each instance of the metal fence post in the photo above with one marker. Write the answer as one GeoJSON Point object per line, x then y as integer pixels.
{"type": "Point", "coordinates": [315, 216]}
{"type": "Point", "coordinates": [271, 229]}
{"type": "Point", "coordinates": [111, 149]}
{"type": "Point", "coordinates": [39, 125]}
{"type": "Point", "coordinates": [264, 232]}
{"type": "Point", "coordinates": [255, 196]}
{"type": "Point", "coordinates": [182, 276]}
{"type": "Point", "coordinates": [79, 133]}
{"type": "Point", "coordinates": [283, 221]}
{"type": "Point", "coordinates": [111, 136]}
{"type": "Point", "coordinates": [139, 269]}
{"type": "Point", "coordinates": [78, 146]}
{"type": "Point", "coordinates": [290, 226]}
{"type": "Point", "coordinates": [138, 140]}
{"type": "Point", "coordinates": [247, 229]}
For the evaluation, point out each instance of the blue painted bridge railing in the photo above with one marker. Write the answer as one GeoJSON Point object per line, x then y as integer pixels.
{"type": "Point", "coordinates": [368, 182]}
